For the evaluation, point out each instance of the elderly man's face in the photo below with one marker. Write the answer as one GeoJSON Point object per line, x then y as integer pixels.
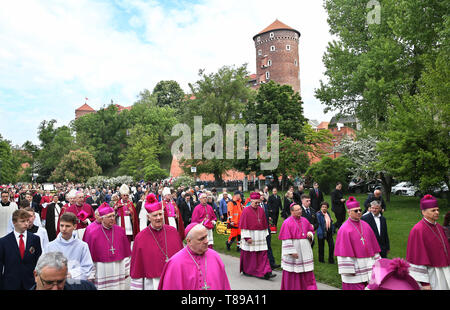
{"type": "Point", "coordinates": [79, 199]}
{"type": "Point", "coordinates": [296, 211]}
{"type": "Point", "coordinates": [355, 214]}
{"type": "Point", "coordinates": [156, 219]}
{"type": "Point", "coordinates": [51, 278]}
{"type": "Point", "coordinates": [203, 199]}
{"type": "Point", "coordinates": [198, 241]}
{"type": "Point", "coordinates": [108, 220]}
{"type": "Point", "coordinates": [431, 214]}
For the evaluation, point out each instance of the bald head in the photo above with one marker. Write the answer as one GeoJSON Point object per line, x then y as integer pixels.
{"type": "Point", "coordinates": [197, 239]}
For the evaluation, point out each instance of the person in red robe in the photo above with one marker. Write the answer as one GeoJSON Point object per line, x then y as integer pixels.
{"type": "Point", "coordinates": [172, 215]}
{"type": "Point", "coordinates": [83, 211]}
{"type": "Point", "coordinates": [127, 216]}
{"type": "Point", "coordinates": [203, 213]}
{"type": "Point", "coordinates": [153, 247]}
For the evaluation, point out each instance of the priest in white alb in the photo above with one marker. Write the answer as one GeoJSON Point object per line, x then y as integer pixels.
{"type": "Point", "coordinates": [153, 247]}
{"type": "Point", "coordinates": [110, 252]}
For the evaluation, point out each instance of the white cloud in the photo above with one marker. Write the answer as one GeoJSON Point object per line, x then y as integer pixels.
{"type": "Point", "coordinates": [53, 54]}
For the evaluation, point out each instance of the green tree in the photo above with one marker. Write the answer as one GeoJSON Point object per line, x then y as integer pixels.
{"type": "Point", "coordinates": [103, 134]}
{"type": "Point", "coordinates": [168, 93]}
{"type": "Point", "coordinates": [8, 163]}
{"type": "Point", "coordinates": [140, 158]}
{"type": "Point", "coordinates": [76, 166]}
{"type": "Point", "coordinates": [220, 98]}
{"type": "Point", "coordinates": [327, 172]}
{"type": "Point", "coordinates": [371, 67]}
{"type": "Point", "coordinates": [55, 143]}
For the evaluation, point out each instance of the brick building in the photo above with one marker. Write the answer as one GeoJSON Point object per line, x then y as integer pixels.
{"type": "Point", "coordinates": [277, 56]}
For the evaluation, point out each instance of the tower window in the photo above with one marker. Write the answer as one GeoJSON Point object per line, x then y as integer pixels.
{"type": "Point", "coordinates": [259, 52]}
{"type": "Point", "coordinates": [288, 47]}
{"type": "Point", "coordinates": [295, 62]}
{"type": "Point", "coordinates": [267, 75]}
{"type": "Point", "coordinates": [271, 35]}
{"type": "Point", "coordinates": [269, 62]}
{"type": "Point", "coordinates": [272, 48]}
{"type": "Point", "coordinates": [258, 39]}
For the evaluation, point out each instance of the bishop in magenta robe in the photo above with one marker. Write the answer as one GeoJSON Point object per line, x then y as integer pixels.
{"type": "Point", "coordinates": [253, 224]}
{"type": "Point", "coordinates": [195, 267]}
{"type": "Point", "coordinates": [203, 213]}
{"type": "Point", "coordinates": [356, 249]}
{"type": "Point", "coordinates": [153, 247]}
{"type": "Point", "coordinates": [428, 249]}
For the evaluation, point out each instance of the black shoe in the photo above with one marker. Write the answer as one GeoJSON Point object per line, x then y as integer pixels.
{"type": "Point", "coordinates": [228, 245]}
{"type": "Point", "coordinates": [331, 262]}
{"type": "Point", "coordinates": [321, 261]}
{"type": "Point", "coordinates": [269, 275]}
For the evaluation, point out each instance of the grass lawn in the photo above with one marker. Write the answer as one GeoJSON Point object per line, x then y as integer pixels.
{"type": "Point", "coordinates": [401, 215]}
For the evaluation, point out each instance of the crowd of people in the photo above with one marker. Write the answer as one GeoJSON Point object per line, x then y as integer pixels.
{"type": "Point", "coordinates": [150, 236]}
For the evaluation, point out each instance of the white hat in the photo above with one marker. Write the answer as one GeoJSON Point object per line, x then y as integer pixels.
{"type": "Point", "coordinates": [71, 194]}
{"type": "Point", "coordinates": [166, 191]}
{"type": "Point", "coordinates": [124, 190]}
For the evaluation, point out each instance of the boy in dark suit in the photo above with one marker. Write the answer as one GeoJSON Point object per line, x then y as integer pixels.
{"type": "Point", "coordinates": [378, 224]}
{"type": "Point", "coordinates": [316, 196]}
{"type": "Point", "coordinates": [19, 253]}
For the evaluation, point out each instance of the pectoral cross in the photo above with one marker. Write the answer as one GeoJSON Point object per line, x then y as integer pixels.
{"type": "Point", "coordinates": [205, 287]}
{"type": "Point", "coordinates": [112, 249]}
{"type": "Point", "coordinates": [362, 239]}
{"type": "Point", "coordinates": [167, 258]}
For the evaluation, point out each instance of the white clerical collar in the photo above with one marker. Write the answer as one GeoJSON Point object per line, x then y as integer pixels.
{"type": "Point", "coordinates": [429, 221]}
{"type": "Point", "coordinates": [155, 228]}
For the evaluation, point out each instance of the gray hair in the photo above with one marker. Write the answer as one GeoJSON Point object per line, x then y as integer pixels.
{"type": "Point", "coordinates": [51, 259]}
{"type": "Point", "coordinates": [375, 203]}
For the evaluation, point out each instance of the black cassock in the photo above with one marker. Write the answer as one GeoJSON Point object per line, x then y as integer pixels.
{"type": "Point", "coordinates": [50, 224]}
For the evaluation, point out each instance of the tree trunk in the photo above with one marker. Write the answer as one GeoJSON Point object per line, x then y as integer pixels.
{"type": "Point", "coordinates": [386, 180]}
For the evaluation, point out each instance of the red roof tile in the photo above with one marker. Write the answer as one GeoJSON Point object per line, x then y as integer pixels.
{"type": "Point", "coordinates": [85, 107]}
{"type": "Point", "coordinates": [276, 25]}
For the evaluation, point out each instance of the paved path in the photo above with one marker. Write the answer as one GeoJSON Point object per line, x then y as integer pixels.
{"type": "Point", "coordinates": [241, 282]}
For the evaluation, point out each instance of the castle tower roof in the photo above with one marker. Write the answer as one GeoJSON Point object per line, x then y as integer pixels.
{"type": "Point", "coordinates": [85, 107]}
{"type": "Point", "coordinates": [276, 25]}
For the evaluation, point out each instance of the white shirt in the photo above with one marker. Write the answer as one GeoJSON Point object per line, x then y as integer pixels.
{"type": "Point", "coordinates": [18, 237]}
{"type": "Point", "coordinates": [378, 222]}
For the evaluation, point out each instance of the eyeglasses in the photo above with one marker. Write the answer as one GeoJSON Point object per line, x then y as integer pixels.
{"type": "Point", "coordinates": [46, 283]}
{"type": "Point", "coordinates": [357, 211]}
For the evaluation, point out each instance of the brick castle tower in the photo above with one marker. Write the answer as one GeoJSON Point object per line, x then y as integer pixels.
{"type": "Point", "coordinates": [277, 55]}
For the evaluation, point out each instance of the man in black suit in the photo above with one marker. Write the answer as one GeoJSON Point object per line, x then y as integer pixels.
{"type": "Point", "coordinates": [378, 223]}
{"type": "Point", "coordinates": [186, 207]}
{"type": "Point", "coordinates": [52, 217]}
{"type": "Point", "coordinates": [274, 205]}
{"type": "Point", "coordinates": [19, 253]}
{"type": "Point", "coordinates": [316, 197]}
{"type": "Point", "coordinates": [337, 204]}
{"type": "Point", "coordinates": [309, 213]}
{"type": "Point", "coordinates": [298, 194]}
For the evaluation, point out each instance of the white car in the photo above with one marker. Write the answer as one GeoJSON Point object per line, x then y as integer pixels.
{"type": "Point", "coordinates": [406, 189]}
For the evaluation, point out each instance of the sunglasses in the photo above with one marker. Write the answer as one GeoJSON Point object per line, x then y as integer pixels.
{"type": "Point", "coordinates": [357, 211]}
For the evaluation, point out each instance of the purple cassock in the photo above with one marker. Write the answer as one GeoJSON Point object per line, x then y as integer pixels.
{"type": "Point", "coordinates": [204, 214]}
{"type": "Point", "coordinates": [428, 245]}
{"type": "Point", "coordinates": [350, 243]}
{"type": "Point", "coordinates": [151, 249]}
{"type": "Point", "coordinates": [77, 210]}
{"type": "Point", "coordinates": [186, 271]}
{"type": "Point", "coordinates": [108, 245]}
{"type": "Point", "coordinates": [254, 260]}
{"type": "Point", "coordinates": [298, 274]}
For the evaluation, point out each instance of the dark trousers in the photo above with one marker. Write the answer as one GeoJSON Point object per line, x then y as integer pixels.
{"type": "Point", "coordinates": [269, 249]}
{"type": "Point", "coordinates": [330, 242]}
{"type": "Point", "coordinates": [340, 217]}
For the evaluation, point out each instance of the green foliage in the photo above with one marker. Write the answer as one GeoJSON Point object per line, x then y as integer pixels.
{"type": "Point", "coordinates": [8, 163]}
{"type": "Point", "coordinates": [327, 172]}
{"type": "Point", "coordinates": [55, 143]}
{"type": "Point", "coordinates": [184, 180]}
{"type": "Point", "coordinates": [103, 134]}
{"type": "Point", "coordinates": [168, 93]}
{"type": "Point", "coordinates": [371, 67]}
{"type": "Point", "coordinates": [76, 166]}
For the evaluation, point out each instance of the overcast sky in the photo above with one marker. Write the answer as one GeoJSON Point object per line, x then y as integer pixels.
{"type": "Point", "coordinates": [54, 54]}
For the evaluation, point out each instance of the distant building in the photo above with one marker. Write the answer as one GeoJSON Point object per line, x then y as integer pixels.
{"type": "Point", "coordinates": [86, 109]}
{"type": "Point", "coordinates": [277, 56]}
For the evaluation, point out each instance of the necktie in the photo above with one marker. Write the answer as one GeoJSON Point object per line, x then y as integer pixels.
{"type": "Point", "coordinates": [21, 246]}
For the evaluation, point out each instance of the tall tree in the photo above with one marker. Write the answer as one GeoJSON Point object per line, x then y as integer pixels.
{"type": "Point", "coordinates": [168, 93]}
{"type": "Point", "coordinates": [373, 65]}
{"type": "Point", "coordinates": [76, 166]}
{"type": "Point", "coordinates": [219, 98]}
{"type": "Point", "coordinates": [8, 163]}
